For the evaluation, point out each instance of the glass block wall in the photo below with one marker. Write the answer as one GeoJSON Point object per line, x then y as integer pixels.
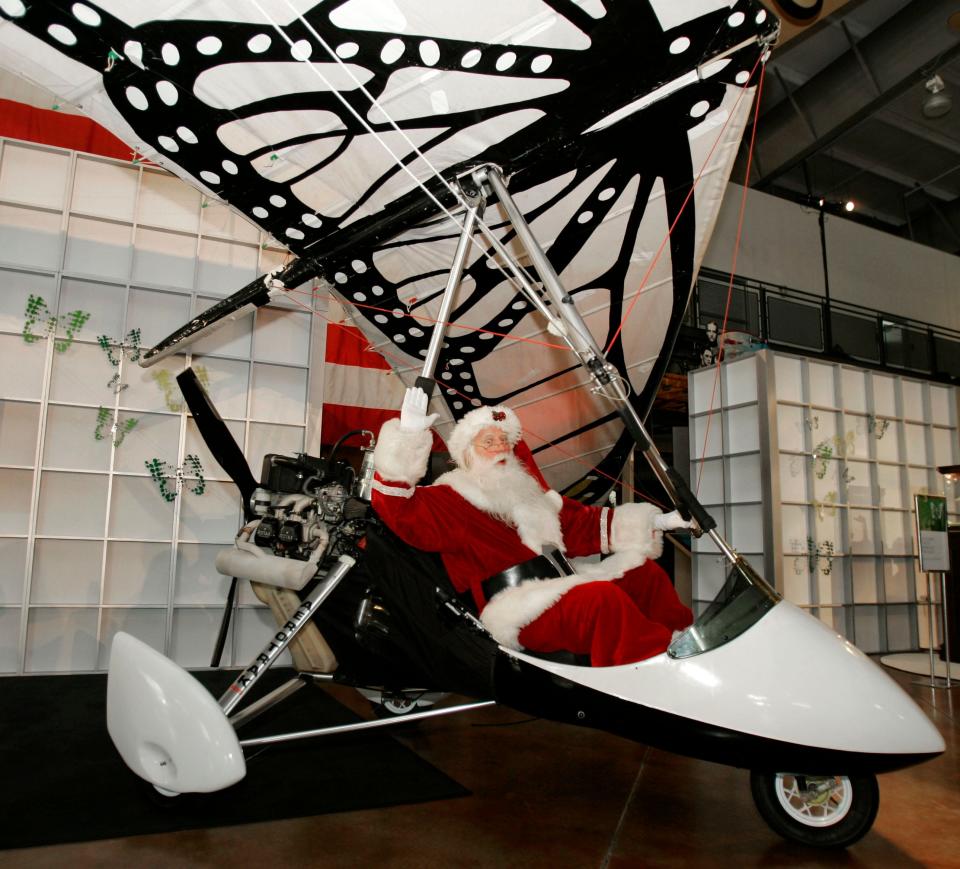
{"type": "Point", "coordinates": [98, 257]}
{"type": "Point", "coordinates": [811, 468]}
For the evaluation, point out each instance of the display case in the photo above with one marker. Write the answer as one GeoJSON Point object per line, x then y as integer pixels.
{"type": "Point", "coordinates": [810, 468]}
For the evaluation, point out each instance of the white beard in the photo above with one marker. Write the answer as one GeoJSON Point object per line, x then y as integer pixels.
{"type": "Point", "coordinates": [504, 489]}
{"type": "Point", "coordinates": [505, 485]}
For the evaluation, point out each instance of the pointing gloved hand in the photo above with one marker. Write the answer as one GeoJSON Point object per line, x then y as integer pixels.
{"type": "Point", "coordinates": [671, 521]}
{"type": "Point", "coordinates": [413, 411]}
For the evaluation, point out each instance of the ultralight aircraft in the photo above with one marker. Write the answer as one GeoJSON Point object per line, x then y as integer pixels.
{"type": "Point", "coordinates": [513, 199]}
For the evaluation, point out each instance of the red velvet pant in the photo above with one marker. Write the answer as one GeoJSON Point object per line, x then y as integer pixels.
{"type": "Point", "coordinates": [614, 622]}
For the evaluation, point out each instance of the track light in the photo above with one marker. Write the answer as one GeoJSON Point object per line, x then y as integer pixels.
{"type": "Point", "coordinates": [938, 102]}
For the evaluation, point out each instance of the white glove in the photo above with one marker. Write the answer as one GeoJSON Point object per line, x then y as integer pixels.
{"type": "Point", "coordinates": [670, 521]}
{"type": "Point", "coordinates": [413, 411]}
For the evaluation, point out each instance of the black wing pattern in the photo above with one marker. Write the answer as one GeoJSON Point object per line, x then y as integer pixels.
{"type": "Point", "coordinates": [335, 126]}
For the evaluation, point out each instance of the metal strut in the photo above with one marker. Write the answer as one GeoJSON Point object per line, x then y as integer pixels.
{"type": "Point", "coordinates": [281, 639]}
{"type": "Point", "coordinates": [475, 201]}
{"type": "Point", "coordinates": [565, 320]}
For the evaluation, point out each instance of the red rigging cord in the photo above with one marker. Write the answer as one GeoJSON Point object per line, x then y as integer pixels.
{"type": "Point", "coordinates": [643, 282]}
{"type": "Point", "coordinates": [423, 318]}
{"type": "Point", "coordinates": [733, 271]}
{"type": "Point", "coordinates": [397, 361]}
{"type": "Point", "coordinates": [676, 220]}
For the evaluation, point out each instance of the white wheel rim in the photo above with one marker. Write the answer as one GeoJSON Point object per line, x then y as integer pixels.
{"type": "Point", "coordinates": [399, 705]}
{"type": "Point", "coordinates": [824, 802]}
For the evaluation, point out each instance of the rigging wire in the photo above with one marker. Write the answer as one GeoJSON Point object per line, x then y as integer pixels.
{"type": "Point", "coordinates": [397, 362]}
{"type": "Point", "coordinates": [423, 318]}
{"type": "Point", "coordinates": [416, 150]}
{"type": "Point", "coordinates": [733, 271]}
{"type": "Point", "coordinates": [485, 251]}
{"type": "Point", "coordinates": [676, 220]}
{"type": "Point", "coordinates": [366, 125]}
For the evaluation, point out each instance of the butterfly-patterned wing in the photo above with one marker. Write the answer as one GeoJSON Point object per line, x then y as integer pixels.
{"type": "Point", "coordinates": [321, 121]}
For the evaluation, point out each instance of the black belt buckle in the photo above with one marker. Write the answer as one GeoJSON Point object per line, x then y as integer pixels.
{"type": "Point", "coordinates": [548, 565]}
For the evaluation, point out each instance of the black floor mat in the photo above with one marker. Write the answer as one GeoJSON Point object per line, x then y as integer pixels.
{"type": "Point", "coordinates": [63, 781]}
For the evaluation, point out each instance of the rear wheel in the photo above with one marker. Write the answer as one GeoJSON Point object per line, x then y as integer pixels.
{"type": "Point", "coordinates": [395, 704]}
{"type": "Point", "coordinates": [822, 811]}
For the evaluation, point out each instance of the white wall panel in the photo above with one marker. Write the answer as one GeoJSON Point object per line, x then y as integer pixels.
{"type": "Point", "coordinates": [34, 176]}
{"type": "Point", "coordinates": [61, 639]}
{"type": "Point", "coordinates": [166, 259]}
{"type": "Point", "coordinates": [95, 247]}
{"type": "Point", "coordinates": [19, 426]}
{"type": "Point", "coordinates": [15, 288]}
{"type": "Point", "coordinates": [66, 572]}
{"type": "Point", "coordinates": [105, 188]}
{"type": "Point", "coordinates": [30, 239]}
{"type": "Point", "coordinates": [156, 314]}
{"type": "Point", "coordinates": [781, 245]}
{"type": "Point", "coordinates": [13, 563]}
{"type": "Point", "coordinates": [102, 550]}
{"type": "Point", "coordinates": [137, 573]}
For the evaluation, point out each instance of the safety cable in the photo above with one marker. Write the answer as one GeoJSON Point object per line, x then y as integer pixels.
{"type": "Point", "coordinates": [676, 220]}
{"type": "Point", "coordinates": [404, 167]}
{"type": "Point", "coordinates": [397, 362]}
{"type": "Point", "coordinates": [733, 271]}
{"type": "Point", "coordinates": [483, 226]}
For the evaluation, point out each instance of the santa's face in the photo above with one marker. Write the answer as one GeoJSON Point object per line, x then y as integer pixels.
{"type": "Point", "coordinates": [491, 445]}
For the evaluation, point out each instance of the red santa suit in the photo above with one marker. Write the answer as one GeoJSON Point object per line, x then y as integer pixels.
{"type": "Point", "coordinates": [618, 610]}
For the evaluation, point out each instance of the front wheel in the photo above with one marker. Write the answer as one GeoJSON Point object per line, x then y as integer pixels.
{"type": "Point", "coordinates": [822, 811]}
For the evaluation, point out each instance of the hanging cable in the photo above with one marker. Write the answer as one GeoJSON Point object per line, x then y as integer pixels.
{"type": "Point", "coordinates": [676, 220]}
{"type": "Point", "coordinates": [733, 271]}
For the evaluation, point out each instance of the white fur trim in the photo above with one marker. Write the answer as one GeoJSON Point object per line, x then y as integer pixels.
{"type": "Point", "coordinates": [472, 423]}
{"type": "Point", "coordinates": [512, 609]}
{"type": "Point", "coordinates": [632, 529]}
{"type": "Point", "coordinates": [401, 456]}
{"type": "Point", "coordinates": [537, 522]}
{"type": "Point", "coordinates": [393, 491]}
{"type": "Point", "coordinates": [612, 567]}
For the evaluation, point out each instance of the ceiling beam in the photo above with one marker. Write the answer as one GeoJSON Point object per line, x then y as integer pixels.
{"type": "Point", "coordinates": [854, 158]}
{"type": "Point", "coordinates": [878, 68]}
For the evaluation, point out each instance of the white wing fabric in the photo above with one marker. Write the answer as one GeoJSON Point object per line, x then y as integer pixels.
{"type": "Point", "coordinates": [337, 125]}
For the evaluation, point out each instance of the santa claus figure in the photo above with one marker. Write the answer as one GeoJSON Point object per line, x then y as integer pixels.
{"type": "Point", "coordinates": [506, 537]}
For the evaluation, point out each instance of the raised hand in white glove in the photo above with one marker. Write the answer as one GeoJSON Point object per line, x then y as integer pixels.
{"type": "Point", "coordinates": [413, 411]}
{"type": "Point", "coordinates": [671, 521]}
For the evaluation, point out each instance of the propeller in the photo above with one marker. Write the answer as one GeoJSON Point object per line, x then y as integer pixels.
{"type": "Point", "coordinates": [227, 452]}
{"type": "Point", "coordinates": [217, 437]}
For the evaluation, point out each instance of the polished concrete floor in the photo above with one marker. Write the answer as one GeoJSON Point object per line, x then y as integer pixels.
{"type": "Point", "coordinates": [549, 795]}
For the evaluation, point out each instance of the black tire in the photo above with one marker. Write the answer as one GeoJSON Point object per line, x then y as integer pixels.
{"type": "Point", "coordinates": [820, 811]}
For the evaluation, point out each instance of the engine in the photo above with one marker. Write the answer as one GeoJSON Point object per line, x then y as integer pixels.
{"type": "Point", "coordinates": [307, 509]}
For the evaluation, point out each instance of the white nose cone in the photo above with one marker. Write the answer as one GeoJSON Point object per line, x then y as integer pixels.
{"type": "Point", "coordinates": [166, 725]}
{"type": "Point", "coordinates": [787, 679]}
{"type": "Point", "coordinates": [791, 678]}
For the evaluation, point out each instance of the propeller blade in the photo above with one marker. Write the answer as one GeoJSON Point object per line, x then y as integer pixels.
{"type": "Point", "coordinates": [217, 437]}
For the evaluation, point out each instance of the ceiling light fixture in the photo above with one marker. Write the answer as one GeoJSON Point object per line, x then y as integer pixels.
{"type": "Point", "coordinates": [938, 102]}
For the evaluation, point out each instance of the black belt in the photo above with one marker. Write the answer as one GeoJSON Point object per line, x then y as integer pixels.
{"type": "Point", "coordinates": [550, 564]}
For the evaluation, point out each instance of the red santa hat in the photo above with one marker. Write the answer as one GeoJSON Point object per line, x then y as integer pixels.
{"type": "Point", "coordinates": [473, 423]}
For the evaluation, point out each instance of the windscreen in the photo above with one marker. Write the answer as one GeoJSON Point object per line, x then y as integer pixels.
{"type": "Point", "coordinates": [744, 599]}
